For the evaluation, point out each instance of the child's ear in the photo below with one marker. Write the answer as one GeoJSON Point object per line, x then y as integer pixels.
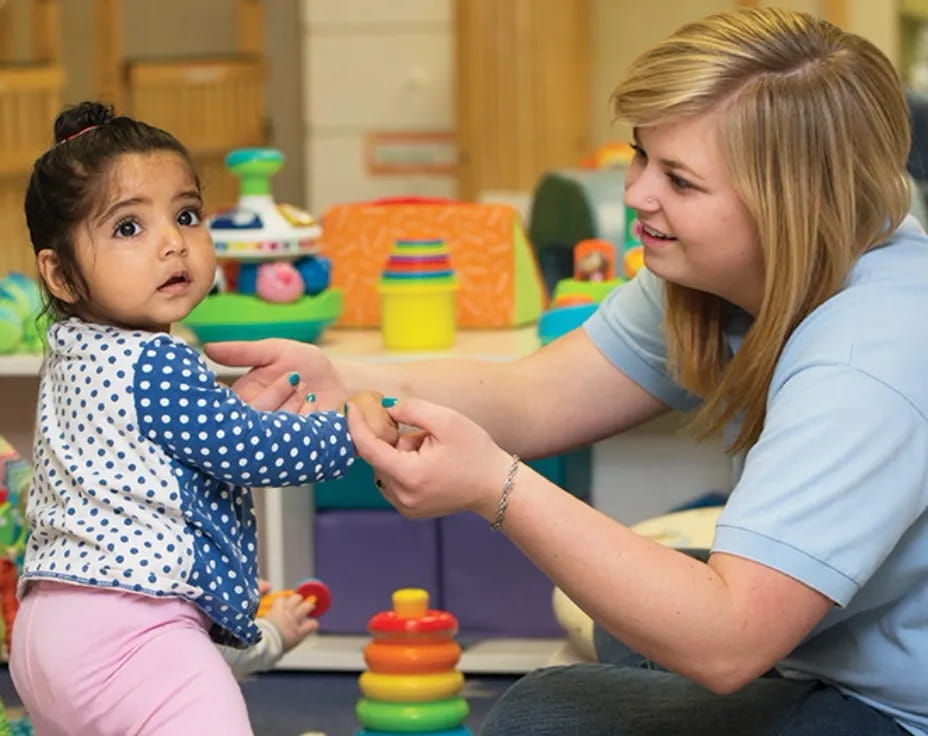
{"type": "Point", "coordinates": [52, 274]}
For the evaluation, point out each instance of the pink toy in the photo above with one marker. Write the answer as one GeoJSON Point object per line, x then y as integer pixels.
{"type": "Point", "coordinates": [279, 282]}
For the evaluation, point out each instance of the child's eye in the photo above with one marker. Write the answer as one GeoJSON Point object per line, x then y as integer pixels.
{"type": "Point", "coordinates": [190, 217]}
{"type": "Point", "coordinates": [126, 229]}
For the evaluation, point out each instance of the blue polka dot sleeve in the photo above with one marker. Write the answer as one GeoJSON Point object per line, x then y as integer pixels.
{"type": "Point", "coordinates": [182, 407]}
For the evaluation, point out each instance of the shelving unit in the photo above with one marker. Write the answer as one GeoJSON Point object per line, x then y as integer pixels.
{"type": "Point", "coordinates": [30, 97]}
{"type": "Point", "coordinates": [212, 104]}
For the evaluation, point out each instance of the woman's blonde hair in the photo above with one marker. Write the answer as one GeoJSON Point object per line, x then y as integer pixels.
{"type": "Point", "coordinates": [815, 131]}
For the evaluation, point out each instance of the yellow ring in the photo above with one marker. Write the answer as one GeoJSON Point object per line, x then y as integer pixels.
{"type": "Point", "coordinates": [411, 688]}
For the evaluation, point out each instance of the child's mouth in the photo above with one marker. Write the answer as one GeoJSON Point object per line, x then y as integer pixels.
{"type": "Point", "coordinates": [177, 282]}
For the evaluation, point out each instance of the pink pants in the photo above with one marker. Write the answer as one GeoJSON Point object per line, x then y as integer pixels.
{"type": "Point", "coordinates": [97, 662]}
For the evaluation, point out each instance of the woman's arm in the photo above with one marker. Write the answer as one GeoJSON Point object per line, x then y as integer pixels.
{"type": "Point", "coordinates": [562, 396]}
{"type": "Point", "coordinates": [721, 623]}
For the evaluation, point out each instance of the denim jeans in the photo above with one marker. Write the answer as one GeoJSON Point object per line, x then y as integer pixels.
{"type": "Point", "coordinates": [626, 695]}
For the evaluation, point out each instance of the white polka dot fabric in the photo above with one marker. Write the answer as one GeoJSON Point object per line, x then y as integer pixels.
{"type": "Point", "coordinates": [142, 468]}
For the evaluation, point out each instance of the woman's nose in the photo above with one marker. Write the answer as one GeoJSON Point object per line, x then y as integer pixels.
{"type": "Point", "coordinates": [638, 195]}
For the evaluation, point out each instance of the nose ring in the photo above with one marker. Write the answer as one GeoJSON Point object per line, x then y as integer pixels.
{"type": "Point", "coordinates": [650, 200]}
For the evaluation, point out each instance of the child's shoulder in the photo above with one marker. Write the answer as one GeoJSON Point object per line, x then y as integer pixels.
{"type": "Point", "coordinates": [75, 338]}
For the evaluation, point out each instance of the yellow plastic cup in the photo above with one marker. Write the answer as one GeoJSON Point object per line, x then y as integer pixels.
{"type": "Point", "coordinates": [418, 315]}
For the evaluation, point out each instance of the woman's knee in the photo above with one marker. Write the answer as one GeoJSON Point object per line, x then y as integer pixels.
{"type": "Point", "coordinates": [559, 700]}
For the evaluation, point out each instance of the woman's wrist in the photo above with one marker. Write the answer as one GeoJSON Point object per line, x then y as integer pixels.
{"type": "Point", "coordinates": [502, 480]}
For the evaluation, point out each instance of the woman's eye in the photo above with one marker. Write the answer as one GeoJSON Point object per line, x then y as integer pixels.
{"type": "Point", "coordinates": [678, 183]}
{"type": "Point", "coordinates": [127, 229]}
{"type": "Point", "coordinates": [190, 217]}
{"type": "Point", "coordinates": [639, 151]}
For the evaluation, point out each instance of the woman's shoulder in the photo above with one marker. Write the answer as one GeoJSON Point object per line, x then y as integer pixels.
{"type": "Point", "coordinates": [878, 323]}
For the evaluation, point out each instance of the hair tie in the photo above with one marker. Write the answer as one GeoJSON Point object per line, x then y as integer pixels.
{"type": "Point", "coordinates": [75, 135]}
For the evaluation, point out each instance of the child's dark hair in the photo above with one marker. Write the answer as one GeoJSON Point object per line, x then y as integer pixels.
{"type": "Point", "coordinates": [68, 179]}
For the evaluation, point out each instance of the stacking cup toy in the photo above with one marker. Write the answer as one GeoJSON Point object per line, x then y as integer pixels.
{"type": "Point", "coordinates": [417, 296]}
{"type": "Point", "coordinates": [412, 685]}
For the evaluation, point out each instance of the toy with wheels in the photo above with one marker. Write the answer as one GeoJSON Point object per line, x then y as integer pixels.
{"type": "Point", "coordinates": [272, 279]}
{"type": "Point", "coordinates": [310, 588]}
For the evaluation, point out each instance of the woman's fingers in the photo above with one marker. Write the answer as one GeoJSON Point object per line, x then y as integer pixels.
{"type": "Point", "coordinates": [242, 353]}
{"type": "Point", "coordinates": [411, 441]}
{"type": "Point", "coordinates": [424, 415]}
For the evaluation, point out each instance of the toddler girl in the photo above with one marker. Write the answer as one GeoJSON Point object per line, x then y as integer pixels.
{"type": "Point", "coordinates": [142, 548]}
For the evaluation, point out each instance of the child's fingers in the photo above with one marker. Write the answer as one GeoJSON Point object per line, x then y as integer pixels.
{"type": "Point", "coordinates": [285, 393]}
{"type": "Point", "coordinates": [309, 404]}
{"type": "Point", "coordinates": [368, 444]}
{"type": "Point", "coordinates": [307, 626]}
{"type": "Point", "coordinates": [304, 607]}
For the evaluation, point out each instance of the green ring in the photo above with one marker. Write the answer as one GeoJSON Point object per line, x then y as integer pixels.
{"type": "Point", "coordinates": [412, 717]}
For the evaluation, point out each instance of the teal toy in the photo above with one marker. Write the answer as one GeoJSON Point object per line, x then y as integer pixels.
{"type": "Point", "coordinates": [272, 281]}
{"type": "Point", "coordinates": [21, 328]}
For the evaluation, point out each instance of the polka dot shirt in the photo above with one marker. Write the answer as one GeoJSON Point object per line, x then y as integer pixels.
{"type": "Point", "coordinates": [143, 465]}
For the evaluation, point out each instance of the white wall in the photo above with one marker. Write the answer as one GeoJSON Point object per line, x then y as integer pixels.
{"type": "Point", "coordinates": [373, 66]}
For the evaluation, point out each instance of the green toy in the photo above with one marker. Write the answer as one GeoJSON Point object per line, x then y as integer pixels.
{"type": "Point", "coordinates": [21, 330]}
{"type": "Point", "coordinates": [273, 280]}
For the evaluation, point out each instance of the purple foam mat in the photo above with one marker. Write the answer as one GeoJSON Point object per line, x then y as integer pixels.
{"type": "Point", "coordinates": [489, 585]}
{"type": "Point", "coordinates": [364, 555]}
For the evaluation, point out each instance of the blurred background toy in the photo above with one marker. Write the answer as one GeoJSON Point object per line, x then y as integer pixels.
{"type": "Point", "coordinates": [272, 281]}
{"type": "Point", "coordinates": [21, 328]}
{"type": "Point", "coordinates": [15, 475]}
{"type": "Point", "coordinates": [498, 279]}
{"type": "Point", "coordinates": [585, 203]}
{"type": "Point", "coordinates": [417, 296]}
{"type": "Point", "coordinates": [412, 684]}
{"type": "Point", "coordinates": [310, 588]}
{"type": "Point", "coordinates": [577, 297]}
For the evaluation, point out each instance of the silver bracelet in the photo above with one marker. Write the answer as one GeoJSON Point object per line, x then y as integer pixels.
{"type": "Point", "coordinates": [504, 498]}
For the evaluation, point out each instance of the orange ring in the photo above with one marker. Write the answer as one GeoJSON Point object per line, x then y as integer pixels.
{"type": "Point", "coordinates": [411, 659]}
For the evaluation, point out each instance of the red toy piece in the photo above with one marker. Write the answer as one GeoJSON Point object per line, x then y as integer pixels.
{"type": "Point", "coordinates": [309, 588]}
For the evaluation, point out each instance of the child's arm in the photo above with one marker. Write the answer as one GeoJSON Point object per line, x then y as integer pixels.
{"type": "Point", "coordinates": [284, 626]}
{"type": "Point", "coordinates": [182, 407]}
{"type": "Point", "coordinates": [258, 657]}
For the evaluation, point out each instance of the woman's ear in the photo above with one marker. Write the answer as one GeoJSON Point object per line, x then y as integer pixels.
{"type": "Point", "coordinates": [53, 275]}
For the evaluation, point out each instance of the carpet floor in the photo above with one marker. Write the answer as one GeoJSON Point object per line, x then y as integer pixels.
{"type": "Point", "coordinates": [291, 703]}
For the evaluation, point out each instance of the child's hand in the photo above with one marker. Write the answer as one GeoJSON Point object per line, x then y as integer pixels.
{"type": "Point", "coordinates": [290, 614]}
{"type": "Point", "coordinates": [371, 406]}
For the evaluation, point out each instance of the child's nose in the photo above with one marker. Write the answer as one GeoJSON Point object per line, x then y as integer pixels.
{"type": "Point", "coordinates": [174, 242]}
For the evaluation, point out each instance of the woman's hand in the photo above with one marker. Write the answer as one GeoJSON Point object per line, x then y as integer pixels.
{"type": "Point", "coordinates": [449, 464]}
{"type": "Point", "coordinates": [284, 374]}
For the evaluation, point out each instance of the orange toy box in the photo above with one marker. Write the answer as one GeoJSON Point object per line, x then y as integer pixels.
{"type": "Point", "coordinates": [499, 279]}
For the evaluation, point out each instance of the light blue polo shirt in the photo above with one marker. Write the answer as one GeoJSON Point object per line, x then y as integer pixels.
{"type": "Point", "coordinates": [834, 492]}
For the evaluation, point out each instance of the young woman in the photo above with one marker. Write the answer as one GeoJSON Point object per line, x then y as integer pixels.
{"type": "Point", "coordinates": [784, 303]}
